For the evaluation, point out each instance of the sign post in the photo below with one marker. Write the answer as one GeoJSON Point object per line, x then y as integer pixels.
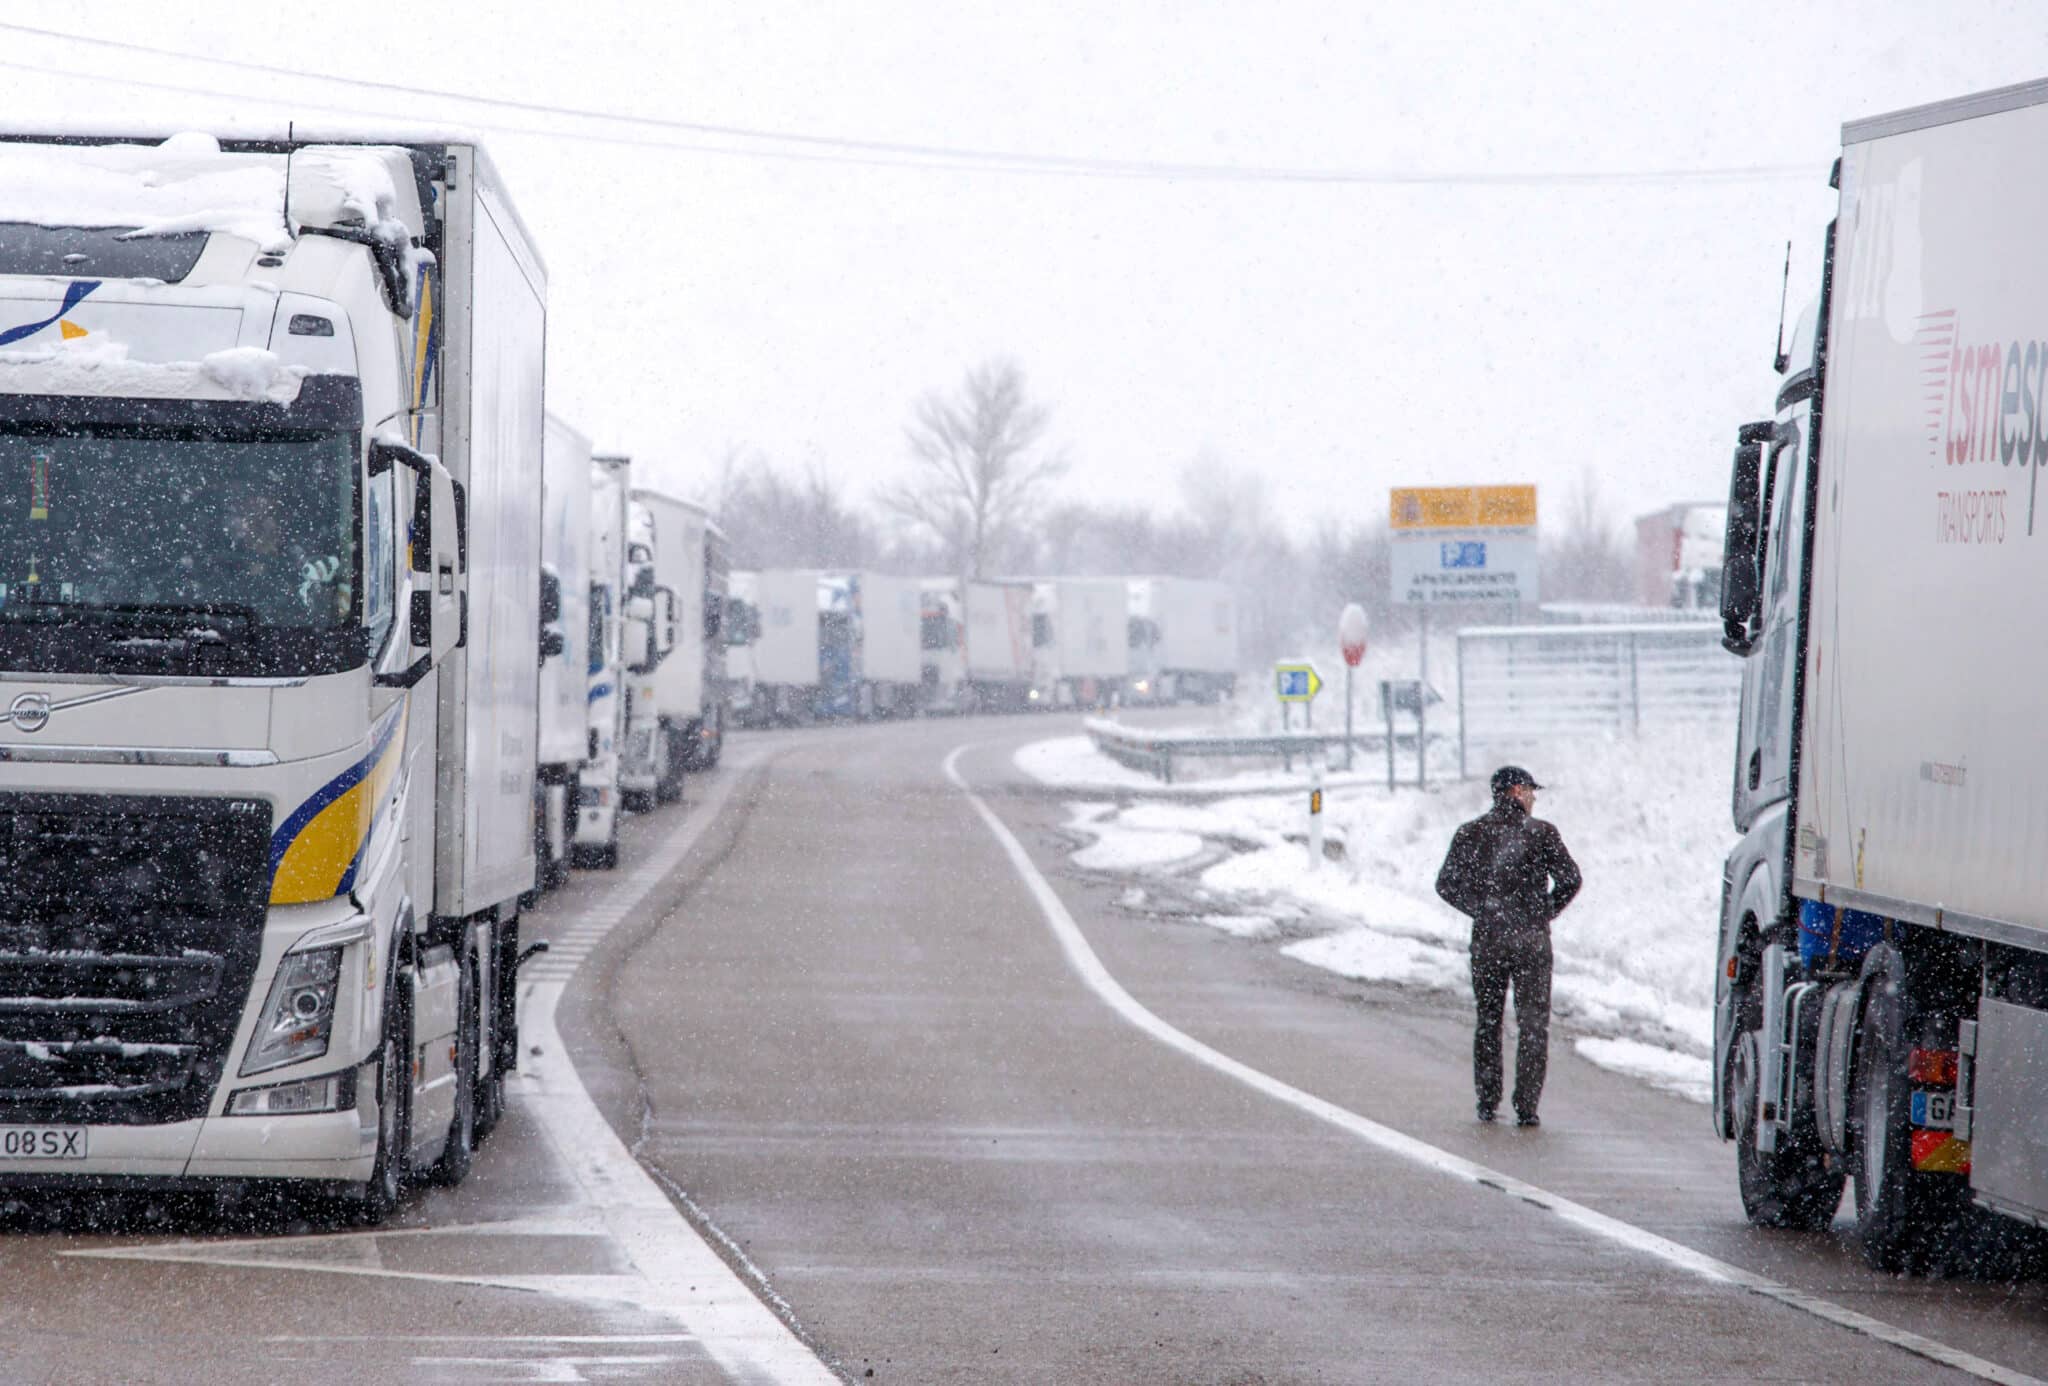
{"type": "Point", "coordinates": [1460, 546]}
{"type": "Point", "coordinates": [1351, 640]}
{"type": "Point", "coordinates": [1295, 681]}
{"type": "Point", "coordinates": [1463, 545]}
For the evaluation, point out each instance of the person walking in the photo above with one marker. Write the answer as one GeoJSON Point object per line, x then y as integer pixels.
{"type": "Point", "coordinates": [1510, 874]}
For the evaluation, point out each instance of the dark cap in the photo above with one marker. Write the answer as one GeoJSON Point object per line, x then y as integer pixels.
{"type": "Point", "coordinates": [1512, 777]}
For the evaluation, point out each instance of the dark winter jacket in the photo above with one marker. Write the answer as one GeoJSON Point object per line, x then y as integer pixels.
{"type": "Point", "coordinates": [1508, 870]}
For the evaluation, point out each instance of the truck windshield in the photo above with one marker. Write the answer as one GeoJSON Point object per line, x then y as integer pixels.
{"type": "Point", "coordinates": [220, 533]}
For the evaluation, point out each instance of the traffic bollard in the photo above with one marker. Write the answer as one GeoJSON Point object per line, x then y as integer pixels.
{"type": "Point", "coordinates": [1315, 811]}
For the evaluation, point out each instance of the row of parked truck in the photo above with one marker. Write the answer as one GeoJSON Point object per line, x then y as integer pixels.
{"type": "Point", "coordinates": [322, 649]}
{"type": "Point", "coordinates": [807, 645]}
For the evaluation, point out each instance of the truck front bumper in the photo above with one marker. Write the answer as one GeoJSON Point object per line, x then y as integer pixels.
{"type": "Point", "coordinates": [338, 1146]}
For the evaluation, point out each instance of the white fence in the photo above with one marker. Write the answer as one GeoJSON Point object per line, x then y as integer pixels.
{"type": "Point", "coordinates": [1522, 683]}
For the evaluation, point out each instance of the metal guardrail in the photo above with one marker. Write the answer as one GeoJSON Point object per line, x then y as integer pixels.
{"type": "Point", "coordinates": [1155, 753]}
{"type": "Point", "coordinates": [1521, 682]}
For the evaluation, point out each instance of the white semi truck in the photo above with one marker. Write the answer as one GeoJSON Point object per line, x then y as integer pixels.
{"type": "Point", "coordinates": [870, 663]}
{"type": "Point", "coordinates": [614, 630]}
{"type": "Point", "coordinates": [1183, 638]}
{"type": "Point", "coordinates": [778, 655]}
{"type": "Point", "coordinates": [1080, 641]}
{"type": "Point", "coordinates": [270, 451]}
{"type": "Point", "coordinates": [565, 646]}
{"type": "Point", "coordinates": [977, 645]}
{"type": "Point", "coordinates": [1882, 1002]}
{"type": "Point", "coordinates": [689, 575]}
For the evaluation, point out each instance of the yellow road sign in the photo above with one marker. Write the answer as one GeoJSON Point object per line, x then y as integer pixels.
{"type": "Point", "coordinates": [1296, 683]}
{"type": "Point", "coordinates": [1462, 507]}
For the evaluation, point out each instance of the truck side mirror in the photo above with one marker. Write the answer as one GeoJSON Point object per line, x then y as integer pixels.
{"type": "Point", "coordinates": [1741, 579]}
{"type": "Point", "coordinates": [552, 642]}
{"type": "Point", "coordinates": [714, 615]}
{"type": "Point", "coordinates": [437, 621]}
{"type": "Point", "coordinates": [665, 627]}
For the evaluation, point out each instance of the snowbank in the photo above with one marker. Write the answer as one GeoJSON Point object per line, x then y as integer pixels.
{"type": "Point", "coordinates": [1646, 818]}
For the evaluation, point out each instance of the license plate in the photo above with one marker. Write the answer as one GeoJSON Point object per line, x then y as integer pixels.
{"type": "Point", "coordinates": [42, 1142]}
{"type": "Point", "coordinates": [1935, 1109]}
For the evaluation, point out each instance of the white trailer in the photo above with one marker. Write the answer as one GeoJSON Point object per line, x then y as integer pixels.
{"type": "Point", "coordinates": [269, 583]}
{"type": "Point", "coordinates": [691, 570]}
{"type": "Point", "coordinates": [891, 648]}
{"type": "Point", "coordinates": [999, 652]}
{"type": "Point", "coordinates": [612, 632]}
{"type": "Point", "coordinates": [1080, 640]}
{"type": "Point", "coordinates": [1183, 638]}
{"type": "Point", "coordinates": [774, 657]}
{"type": "Point", "coordinates": [565, 645]}
{"type": "Point", "coordinates": [1883, 975]}
{"type": "Point", "coordinates": [942, 627]}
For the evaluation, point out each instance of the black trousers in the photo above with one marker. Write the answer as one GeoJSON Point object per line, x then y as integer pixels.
{"type": "Point", "coordinates": [1517, 959]}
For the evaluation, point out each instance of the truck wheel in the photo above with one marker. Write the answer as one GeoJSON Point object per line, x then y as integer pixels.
{"type": "Point", "coordinates": [1902, 1215]}
{"type": "Point", "coordinates": [668, 782]}
{"type": "Point", "coordinates": [1791, 1187]}
{"type": "Point", "coordinates": [603, 858]}
{"type": "Point", "coordinates": [453, 1165]}
{"type": "Point", "coordinates": [379, 1198]}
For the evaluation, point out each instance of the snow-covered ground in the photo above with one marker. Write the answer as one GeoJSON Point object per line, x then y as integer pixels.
{"type": "Point", "coordinates": [1647, 819]}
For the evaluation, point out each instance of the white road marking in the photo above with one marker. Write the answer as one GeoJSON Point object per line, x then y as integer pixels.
{"type": "Point", "coordinates": [684, 1277]}
{"type": "Point", "coordinates": [1089, 968]}
{"type": "Point", "coordinates": [675, 1271]}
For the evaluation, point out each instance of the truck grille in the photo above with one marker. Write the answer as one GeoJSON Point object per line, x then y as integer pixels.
{"type": "Point", "coordinates": [129, 935]}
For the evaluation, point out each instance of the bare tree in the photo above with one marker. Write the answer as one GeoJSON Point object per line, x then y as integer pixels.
{"type": "Point", "coordinates": [776, 521]}
{"type": "Point", "coordinates": [1587, 560]}
{"type": "Point", "coordinates": [979, 471]}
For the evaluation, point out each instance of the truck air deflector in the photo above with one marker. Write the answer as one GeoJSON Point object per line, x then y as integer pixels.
{"type": "Point", "coordinates": [315, 851]}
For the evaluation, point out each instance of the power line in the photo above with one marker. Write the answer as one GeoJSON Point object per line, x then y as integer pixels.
{"type": "Point", "coordinates": [897, 154]}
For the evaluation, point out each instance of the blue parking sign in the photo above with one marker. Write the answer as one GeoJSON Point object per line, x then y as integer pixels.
{"type": "Point", "coordinates": [1464, 553]}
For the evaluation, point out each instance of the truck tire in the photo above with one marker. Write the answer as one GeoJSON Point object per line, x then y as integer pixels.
{"type": "Point", "coordinates": [1791, 1187]}
{"type": "Point", "coordinates": [668, 781]}
{"type": "Point", "coordinates": [379, 1198]}
{"type": "Point", "coordinates": [588, 858]}
{"type": "Point", "coordinates": [1903, 1216]}
{"type": "Point", "coordinates": [460, 1149]}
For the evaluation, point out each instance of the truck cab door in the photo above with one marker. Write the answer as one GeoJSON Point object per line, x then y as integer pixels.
{"type": "Point", "coordinates": [1763, 772]}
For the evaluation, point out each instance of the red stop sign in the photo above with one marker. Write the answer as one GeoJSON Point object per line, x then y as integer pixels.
{"type": "Point", "coordinates": [1351, 634]}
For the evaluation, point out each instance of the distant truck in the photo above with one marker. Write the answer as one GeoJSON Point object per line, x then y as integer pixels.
{"type": "Point", "coordinates": [271, 446]}
{"type": "Point", "coordinates": [1080, 640]}
{"type": "Point", "coordinates": [869, 661]}
{"type": "Point", "coordinates": [688, 580]}
{"type": "Point", "coordinates": [614, 630]}
{"type": "Point", "coordinates": [977, 645]}
{"type": "Point", "coordinates": [776, 655]}
{"type": "Point", "coordinates": [1882, 982]}
{"type": "Point", "coordinates": [1183, 639]}
{"type": "Point", "coordinates": [565, 633]}
{"type": "Point", "coordinates": [1678, 556]}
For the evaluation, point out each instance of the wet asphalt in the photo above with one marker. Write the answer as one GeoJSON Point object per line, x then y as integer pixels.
{"type": "Point", "coordinates": [843, 1035]}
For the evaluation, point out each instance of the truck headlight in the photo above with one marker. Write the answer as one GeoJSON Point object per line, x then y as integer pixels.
{"type": "Point", "coordinates": [335, 1092]}
{"type": "Point", "coordinates": [298, 1015]}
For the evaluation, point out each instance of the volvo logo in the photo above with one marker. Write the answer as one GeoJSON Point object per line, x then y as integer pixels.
{"type": "Point", "coordinates": [30, 712]}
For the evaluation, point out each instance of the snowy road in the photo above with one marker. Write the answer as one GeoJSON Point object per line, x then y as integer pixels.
{"type": "Point", "coordinates": [889, 1088]}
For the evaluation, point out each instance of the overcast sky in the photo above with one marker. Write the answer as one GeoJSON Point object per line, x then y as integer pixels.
{"type": "Point", "coordinates": [1338, 337]}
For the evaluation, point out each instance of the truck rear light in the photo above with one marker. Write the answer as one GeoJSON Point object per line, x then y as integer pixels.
{"type": "Point", "coordinates": [1932, 1068]}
